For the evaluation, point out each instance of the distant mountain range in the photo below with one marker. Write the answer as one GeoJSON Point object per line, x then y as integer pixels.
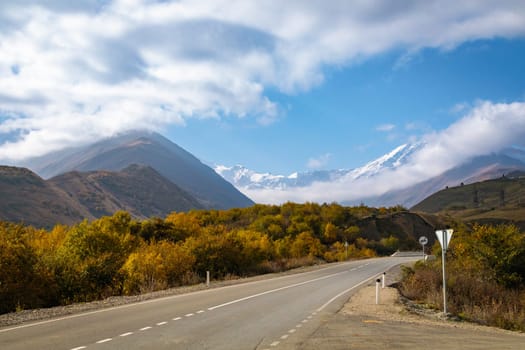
{"type": "Point", "coordinates": [477, 169]}
{"type": "Point", "coordinates": [145, 148]}
{"type": "Point", "coordinates": [139, 172]}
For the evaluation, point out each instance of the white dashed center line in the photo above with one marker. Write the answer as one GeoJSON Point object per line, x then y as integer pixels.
{"type": "Point", "coordinates": [104, 340]}
{"type": "Point", "coordinates": [176, 318]}
{"type": "Point", "coordinates": [189, 315]}
{"type": "Point", "coordinates": [126, 334]}
{"type": "Point", "coordinates": [145, 328]}
{"type": "Point", "coordinates": [162, 323]}
{"type": "Point", "coordinates": [79, 348]}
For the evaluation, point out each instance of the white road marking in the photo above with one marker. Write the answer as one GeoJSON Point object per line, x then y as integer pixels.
{"type": "Point", "coordinates": [147, 302]}
{"type": "Point", "coordinates": [275, 343]}
{"type": "Point", "coordinates": [104, 340]}
{"type": "Point", "coordinates": [145, 328]}
{"type": "Point", "coordinates": [79, 348]}
{"type": "Point", "coordinates": [299, 326]}
{"type": "Point", "coordinates": [189, 315]}
{"type": "Point", "coordinates": [176, 318]}
{"type": "Point", "coordinates": [162, 323]}
{"type": "Point", "coordinates": [200, 311]}
{"type": "Point", "coordinates": [309, 317]}
{"type": "Point", "coordinates": [292, 330]}
{"type": "Point", "coordinates": [285, 336]}
{"type": "Point", "coordinates": [274, 290]}
{"type": "Point", "coordinates": [304, 321]}
{"type": "Point", "coordinates": [126, 334]}
{"type": "Point", "coordinates": [344, 292]}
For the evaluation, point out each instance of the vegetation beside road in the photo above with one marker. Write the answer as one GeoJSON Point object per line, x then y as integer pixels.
{"type": "Point", "coordinates": [485, 276]}
{"type": "Point", "coordinates": [117, 255]}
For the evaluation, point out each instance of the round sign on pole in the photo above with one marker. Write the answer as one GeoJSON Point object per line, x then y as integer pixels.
{"type": "Point", "coordinates": [423, 240]}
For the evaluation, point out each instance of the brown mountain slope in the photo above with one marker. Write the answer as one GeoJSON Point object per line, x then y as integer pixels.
{"type": "Point", "coordinates": [406, 226]}
{"type": "Point", "coordinates": [140, 190]}
{"type": "Point", "coordinates": [151, 149]}
{"type": "Point", "coordinates": [74, 196]}
{"type": "Point", "coordinates": [27, 198]}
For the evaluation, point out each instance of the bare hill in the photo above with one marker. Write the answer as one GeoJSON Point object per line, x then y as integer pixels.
{"type": "Point", "coordinates": [74, 196]}
{"type": "Point", "coordinates": [151, 149]}
{"type": "Point", "coordinates": [140, 190]}
{"type": "Point", "coordinates": [29, 199]}
{"type": "Point", "coordinates": [491, 201]}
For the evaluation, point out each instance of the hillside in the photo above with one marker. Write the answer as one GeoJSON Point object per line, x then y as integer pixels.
{"type": "Point", "coordinates": [151, 149]}
{"type": "Point", "coordinates": [74, 196]}
{"type": "Point", "coordinates": [406, 226]}
{"type": "Point", "coordinates": [29, 199]}
{"type": "Point", "coordinates": [496, 200]}
{"type": "Point", "coordinates": [140, 190]}
{"type": "Point", "coordinates": [475, 170]}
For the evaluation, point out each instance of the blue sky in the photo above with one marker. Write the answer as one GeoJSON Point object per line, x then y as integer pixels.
{"type": "Point", "coordinates": [276, 86]}
{"type": "Point", "coordinates": [364, 110]}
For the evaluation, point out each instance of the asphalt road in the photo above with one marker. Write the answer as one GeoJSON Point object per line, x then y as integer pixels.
{"type": "Point", "coordinates": [265, 314]}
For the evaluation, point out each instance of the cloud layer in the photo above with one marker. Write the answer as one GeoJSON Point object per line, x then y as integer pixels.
{"type": "Point", "coordinates": [71, 72]}
{"type": "Point", "coordinates": [487, 128]}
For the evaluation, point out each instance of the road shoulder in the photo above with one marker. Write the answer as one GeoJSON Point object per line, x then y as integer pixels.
{"type": "Point", "coordinates": [361, 324]}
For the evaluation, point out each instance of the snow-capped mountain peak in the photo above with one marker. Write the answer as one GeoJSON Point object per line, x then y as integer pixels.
{"type": "Point", "coordinates": [244, 178]}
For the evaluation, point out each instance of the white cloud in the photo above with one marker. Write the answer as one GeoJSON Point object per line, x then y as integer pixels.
{"type": "Point", "coordinates": [385, 127]}
{"type": "Point", "coordinates": [76, 71]}
{"type": "Point", "coordinates": [487, 128]}
{"type": "Point", "coordinates": [319, 162]}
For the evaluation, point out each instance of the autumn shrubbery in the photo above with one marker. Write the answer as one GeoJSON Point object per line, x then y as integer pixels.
{"type": "Point", "coordinates": [117, 255]}
{"type": "Point", "coordinates": [485, 277]}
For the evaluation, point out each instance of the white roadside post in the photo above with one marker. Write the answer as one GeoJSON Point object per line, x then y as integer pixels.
{"type": "Point", "coordinates": [207, 278]}
{"type": "Point", "coordinates": [383, 280]}
{"type": "Point", "coordinates": [444, 238]}
{"type": "Point", "coordinates": [423, 241]}
{"type": "Point", "coordinates": [378, 281]}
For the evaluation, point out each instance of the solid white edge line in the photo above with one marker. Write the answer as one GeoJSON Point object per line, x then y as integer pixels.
{"type": "Point", "coordinates": [346, 291]}
{"type": "Point", "coordinates": [274, 290]}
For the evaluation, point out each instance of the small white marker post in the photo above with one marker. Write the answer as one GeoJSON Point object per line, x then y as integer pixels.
{"type": "Point", "coordinates": [423, 241]}
{"type": "Point", "coordinates": [444, 237]}
{"type": "Point", "coordinates": [383, 276]}
{"type": "Point", "coordinates": [378, 281]}
{"type": "Point", "coordinates": [207, 278]}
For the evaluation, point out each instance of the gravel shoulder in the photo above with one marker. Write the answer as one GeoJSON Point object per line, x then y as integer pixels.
{"type": "Point", "coordinates": [397, 324]}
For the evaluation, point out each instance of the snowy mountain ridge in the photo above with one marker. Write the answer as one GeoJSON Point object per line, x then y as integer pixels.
{"type": "Point", "coordinates": [244, 178]}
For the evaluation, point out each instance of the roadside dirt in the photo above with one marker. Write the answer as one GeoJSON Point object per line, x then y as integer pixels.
{"type": "Point", "coordinates": [361, 324]}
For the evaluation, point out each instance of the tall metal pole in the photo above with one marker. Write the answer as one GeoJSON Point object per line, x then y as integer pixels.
{"type": "Point", "coordinates": [443, 253]}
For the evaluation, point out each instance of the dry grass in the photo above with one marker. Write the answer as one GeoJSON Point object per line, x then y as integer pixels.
{"type": "Point", "coordinates": [469, 296]}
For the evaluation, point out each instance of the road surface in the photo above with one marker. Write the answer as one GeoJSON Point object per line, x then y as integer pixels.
{"type": "Point", "coordinates": [265, 314]}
